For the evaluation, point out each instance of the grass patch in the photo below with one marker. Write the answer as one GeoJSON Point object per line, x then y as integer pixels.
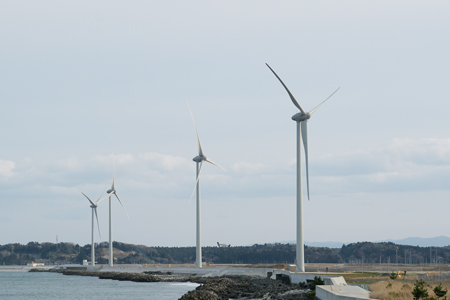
{"type": "Point", "coordinates": [399, 289]}
{"type": "Point", "coordinates": [365, 275]}
{"type": "Point", "coordinates": [367, 282]}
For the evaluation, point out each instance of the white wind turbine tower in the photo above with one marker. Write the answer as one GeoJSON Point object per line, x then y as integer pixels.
{"type": "Point", "coordinates": [302, 129]}
{"type": "Point", "coordinates": [110, 192]}
{"type": "Point", "coordinates": [94, 211]}
{"type": "Point", "coordinates": [199, 162]}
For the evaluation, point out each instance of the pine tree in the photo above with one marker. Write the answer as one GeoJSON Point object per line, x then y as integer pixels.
{"type": "Point", "coordinates": [439, 292]}
{"type": "Point", "coordinates": [420, 290]}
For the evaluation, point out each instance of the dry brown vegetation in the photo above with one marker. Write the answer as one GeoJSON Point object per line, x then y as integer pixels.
{"type": "Point", "coordinates": [398, 289]}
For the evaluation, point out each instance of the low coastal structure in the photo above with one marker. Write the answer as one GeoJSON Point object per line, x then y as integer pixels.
{"type": "Point", "coordinates": [335, 287]}
{"type": "Point", "coordinates": [329, 278]}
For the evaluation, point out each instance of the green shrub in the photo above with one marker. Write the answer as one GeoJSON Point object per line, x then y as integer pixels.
{"type": "Point", "coordinates": [439, 291]}
{"type": "Point", "coordinates": [312, 286]}
{"type": "Point", "coordinates": [420, 290]}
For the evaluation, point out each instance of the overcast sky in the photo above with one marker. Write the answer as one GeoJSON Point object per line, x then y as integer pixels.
{"type": "Point", "coordinates": [83, 82]}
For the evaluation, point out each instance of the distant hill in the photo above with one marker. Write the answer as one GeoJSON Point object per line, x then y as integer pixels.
{"type": "Point", "coordinates": [439, 241]}
{"type": "Point", "coordinates": [325, 244]}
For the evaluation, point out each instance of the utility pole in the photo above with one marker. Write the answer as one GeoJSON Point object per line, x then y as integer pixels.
{"type": "Point", "coordinates": [431, 257]}
{"type": "Point", "coordinates": [389, 262]}
{"type": "Point", "coordinates": [439, 267]}
{"type": "Point", "coordinates": [362, 264]}
{"type": "Point", "coordinates": [436, 255]}
{"type": "Point", "coordinates": [396, 257]}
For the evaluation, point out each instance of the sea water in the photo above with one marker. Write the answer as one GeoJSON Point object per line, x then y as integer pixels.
{"type": "Point", "coordinates": [39, 286]}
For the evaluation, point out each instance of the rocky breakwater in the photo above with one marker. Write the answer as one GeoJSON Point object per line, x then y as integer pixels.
{"type": "Point", "coordinates": [245, 287]}
{"type": "Point", "coordinates": [122, 276]}
{"type": "Point", "coordinates": [211, 288]}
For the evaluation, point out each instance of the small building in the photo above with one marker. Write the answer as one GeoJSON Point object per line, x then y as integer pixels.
{"type": "Point", "coordinates": [35, 264]}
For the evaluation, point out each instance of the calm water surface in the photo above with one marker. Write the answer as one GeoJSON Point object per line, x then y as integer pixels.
{"type": "Point", "coordinates": [24, 285]}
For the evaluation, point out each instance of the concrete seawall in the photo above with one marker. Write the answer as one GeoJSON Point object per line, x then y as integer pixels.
{"type": "Point", "coordinates": [205, 272]}
{"type": "Point", "coordinates": [334, 292]}
{"type": "Point", "coordinates": [330, 279]}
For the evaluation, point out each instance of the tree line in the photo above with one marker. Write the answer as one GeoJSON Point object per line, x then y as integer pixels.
{"type": "Point", "coordinates": [355, 253]}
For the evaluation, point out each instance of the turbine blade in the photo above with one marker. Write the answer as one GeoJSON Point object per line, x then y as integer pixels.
{"type": "Point", "coordinates": [196, 181]}
{"type": "Point", "coordinates": [317, 107]}
{"type": "Point", "coordinates": [211, 162]}
{"type": "Point", "coordinates": [289, 92]}
{"type": "Point", "coordinates": [200, 151]}
{"type": "Point", "coordinates": [305, 145]}
{"type": "Point", "coordinates": [89, 199]}
{"type": "Point", "coordinates": [100, 198]}
{"type": "Point", "coordinates": [107, 195]}
{"type": "Point", "coordinates": [122, 205]}
{"type": "Point", "coordinates": [114, 172]}
{"type": "Point", "coordinates": [98, 225]}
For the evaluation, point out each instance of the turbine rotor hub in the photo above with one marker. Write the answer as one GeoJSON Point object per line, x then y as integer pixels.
{"type": "Point", "coordinates": [299, 117]}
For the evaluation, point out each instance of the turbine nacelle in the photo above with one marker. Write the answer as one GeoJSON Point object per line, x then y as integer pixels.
{"type": "Point", "coordinates": [110, 191]}
{"type": "Point", "coordinates": [199, 158]}
{"type": "Point", "coordinates": [299, 117]}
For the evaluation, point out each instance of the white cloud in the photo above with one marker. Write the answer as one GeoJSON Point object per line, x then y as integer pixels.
{"type": "Point", "coordinates": [423, 151]}
{"type": "Point", "coordinates": [163, 175]}
{"type": "Point", "coordinates": [6, 168]}
{"type": "Point", "coordinates": [403, 165]}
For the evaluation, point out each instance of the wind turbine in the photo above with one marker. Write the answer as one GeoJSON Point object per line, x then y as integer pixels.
{"type": "Point", "coordinates": [94, 211]}
{"type": "Point", "coordinates": [301, 118]}
{"type": "Point", "coordinates": [199, 159]}
{"type": "Point", "coordinates": [110, 192]}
